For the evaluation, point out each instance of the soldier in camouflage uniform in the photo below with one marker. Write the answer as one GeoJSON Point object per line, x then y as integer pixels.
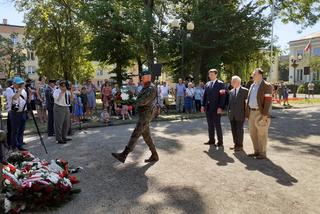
{"type": "Point", "coordinates": [145, 104]}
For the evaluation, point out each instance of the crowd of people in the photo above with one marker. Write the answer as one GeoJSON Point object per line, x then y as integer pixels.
{"type": "Point", "coordinates": [59, 104]}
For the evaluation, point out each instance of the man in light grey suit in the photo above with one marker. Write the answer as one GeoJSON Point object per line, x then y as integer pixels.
{"type": "Point", "coordinates": [236, 112]}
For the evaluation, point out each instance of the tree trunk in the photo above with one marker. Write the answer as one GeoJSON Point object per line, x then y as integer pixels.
{"type": "Point", "coordinates": [139, 61]}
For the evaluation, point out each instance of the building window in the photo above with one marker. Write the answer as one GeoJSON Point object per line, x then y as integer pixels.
{"type": "Point", "coordinates": [99, 72]}
{"type": "Point", "coordinates": [31, 70]}
{"type": "Point", "coordinates": [316, 51]}
{"type": "Point", "coordinates": [30, 55]}
{"type": "Point", "coordinates": [299, 52]}
{"type": "Point", "coordinates": [14, 39]}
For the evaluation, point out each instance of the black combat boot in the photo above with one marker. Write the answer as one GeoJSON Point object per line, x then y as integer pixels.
{"type": "Point", "coordinates": [122, 156]}
{"type": "Point", "coordinates": [153, 158]}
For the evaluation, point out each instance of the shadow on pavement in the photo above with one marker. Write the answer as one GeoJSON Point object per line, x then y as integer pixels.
{"type": "Point", "coordinates": [289, 126]}
{"type": "Point", "coordinates": [128, 183]}
{"type": "Point", "coordinates": [268, 168]}
{"type": "Point", "coordinates": [168, 145]}
{"type": "Point", "coordinates": [219, 155]}
{"type": "Point", "coordinates": [183, 199]}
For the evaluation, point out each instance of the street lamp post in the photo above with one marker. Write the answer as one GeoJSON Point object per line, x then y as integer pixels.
{"type": "Point", "coordinates": [190, 27]}
{"type": "Point", "coordinates": [294, 64]}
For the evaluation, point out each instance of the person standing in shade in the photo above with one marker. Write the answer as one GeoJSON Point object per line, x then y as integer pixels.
{"type": "Point", "coordinates": [198, 95]}
{"type": "Point", "coordinates": [236, 112]}
{"type": "Point", "coordinates": [189, 98]}
{"type": "Point", "coordinates": [311, 89]}
{"type": "Point", "coordinates": [249, 83]}
{"type": "Point", "coordinates": [258, 112]}
{"type": "Point", "coordinates": [41, 102]}
{"type": "Point", "coordinates": [213, 103]}
{"type": "Point", "coordinates": [61, 110]}
{"type": "Point", "coordinates": [180, 94]}
{"type": "Point", "coordinates": [145, 103]}
{"type": "Point", "coordinates": [17, 109]}
{"type": "Point", "coordinates": [49, 105]}
{"type": "Point", "coordinates": [164, 93]}
{"type": "Point", "coordinates": [91, 97]}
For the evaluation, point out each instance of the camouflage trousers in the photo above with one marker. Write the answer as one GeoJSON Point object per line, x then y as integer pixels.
{"type": "Point", "coordinates": [142, 129]}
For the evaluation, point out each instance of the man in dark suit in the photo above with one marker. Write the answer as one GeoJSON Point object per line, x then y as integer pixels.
{"type": "Point", "coordinates": [49, 104]}
{"type": "Point", "coordinates": [237, 111]}
{"type": "Point", "coordinates": [213, 103]}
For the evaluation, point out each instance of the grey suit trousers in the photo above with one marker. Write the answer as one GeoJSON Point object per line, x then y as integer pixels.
{"type": "Point", "coordinates": [61, 121]}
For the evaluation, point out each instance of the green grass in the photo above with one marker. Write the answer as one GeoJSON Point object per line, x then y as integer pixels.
{"type": "Point", "coordinates": [306, 101]}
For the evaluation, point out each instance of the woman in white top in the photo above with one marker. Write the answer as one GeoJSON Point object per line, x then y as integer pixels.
{"type": "Point", "coordinates": [40, 100]}
{"type": "Point", "coordinates": [188, 102]}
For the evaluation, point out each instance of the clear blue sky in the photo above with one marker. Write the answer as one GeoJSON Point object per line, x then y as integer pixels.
{"type": "Point", "coordinates": [284, 32]}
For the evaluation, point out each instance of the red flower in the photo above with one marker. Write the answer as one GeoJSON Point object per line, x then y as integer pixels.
{"type": "Point", "coordinates": [63, 174]}
{"type": "Point", "coordinates": [74, 179]}
{"type": "Point", "coordinates": [36, 187]}
{"type": "Point", "coordinates": [12, 168]}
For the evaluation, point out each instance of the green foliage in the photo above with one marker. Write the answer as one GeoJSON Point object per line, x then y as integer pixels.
{"type": "Point", "coordinates": [303, 88]}
{"type": "Point", "coordinates": [58, 37]}
{"type": "Point", "coordinates": [315, 64]}
{"type": "Point", "coordinates": [225, 32]}
{"type": "Point", "coordinates": [12, 56]}
{"type": "Point", "coordinates": [112, 24]}
{"type": "Point", "coordinates": [305, 12]}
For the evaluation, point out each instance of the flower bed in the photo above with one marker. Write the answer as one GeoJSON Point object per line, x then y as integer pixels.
{"type": "Point", "coordinates": [30, 183]}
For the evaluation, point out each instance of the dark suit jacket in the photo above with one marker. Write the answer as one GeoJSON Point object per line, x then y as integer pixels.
{"type": "Point", "coordinates": [237, 104]}
{"type": "Point", "coordinates": [49, 98]}
{"type": "Point", "coordinates": [214, 97]}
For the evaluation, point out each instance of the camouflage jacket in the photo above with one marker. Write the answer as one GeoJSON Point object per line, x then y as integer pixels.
{"type": "Point", "coordinates": [145, 99]}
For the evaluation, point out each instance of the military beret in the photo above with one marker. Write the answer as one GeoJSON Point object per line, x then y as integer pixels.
{"type": "Point", "coordinates": [145, 72]}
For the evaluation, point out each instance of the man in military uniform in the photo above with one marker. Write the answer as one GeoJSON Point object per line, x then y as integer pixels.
{"type": "Point", "coordinates": [213, 103]}
{"type": "Point", "coordinates": [145, 104]}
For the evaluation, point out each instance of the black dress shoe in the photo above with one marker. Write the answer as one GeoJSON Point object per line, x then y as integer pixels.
{"type": "Point", "coordinates": [253, 155]}
{"type": "Point", "coordinates": [51, 135]}
{"type": "Point", "coordinates": [238, 149]}
{"type": "Point", "coordinates": [22, 149]}
{"type": "Point", "coordinates": [209, 143]}
{"type": "Point", "coordinates": [260, 157]}
{"type": "Point", "coordinates": [67, 139]}
{"type": "Point", "coordinates": [219, 144]}
{"type": "Point", "coordinates": [61, 142]}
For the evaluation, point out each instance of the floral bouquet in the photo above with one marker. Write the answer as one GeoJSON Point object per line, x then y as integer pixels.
{"type": "Point", "coordinates": [31, 183]}
{"type": "Point", "coordinates": [127, 98]}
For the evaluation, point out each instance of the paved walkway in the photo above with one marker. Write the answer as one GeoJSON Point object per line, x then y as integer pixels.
{"type": "Point", "coordinates": [191, 177]}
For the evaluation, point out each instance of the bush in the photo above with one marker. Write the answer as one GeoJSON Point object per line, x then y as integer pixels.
{"type": "Point", "coordinates": [303, 88]}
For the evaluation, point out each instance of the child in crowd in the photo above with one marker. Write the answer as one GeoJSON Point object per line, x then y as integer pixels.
{"type": "Point", "coordinates": [125, 112]}
{"type": "Point", "coordinates": [117, 104]}
{"type": "Point", "coordinates": [286, 95]}
{"type": "Point", "coordinates": [78, 108]}
{"type": "Point", "coordinates": [105, 116]}
{"type": "Point", "coordinates": [84, 101]}
{"type": "Point", "coordinates": [130, 110]}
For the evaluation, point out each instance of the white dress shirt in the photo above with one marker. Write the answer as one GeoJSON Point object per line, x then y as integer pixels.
{"type": "Point", "coordinates": [236, 91]}
{"type": "Point", "coordinates": [211, 83]}
{"type": "Point", "coordinates": [10, 92]}
{"type": "Point", "coordinates": [63, 99]}
{"type": "Point", "coordinates": [164, 91]}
